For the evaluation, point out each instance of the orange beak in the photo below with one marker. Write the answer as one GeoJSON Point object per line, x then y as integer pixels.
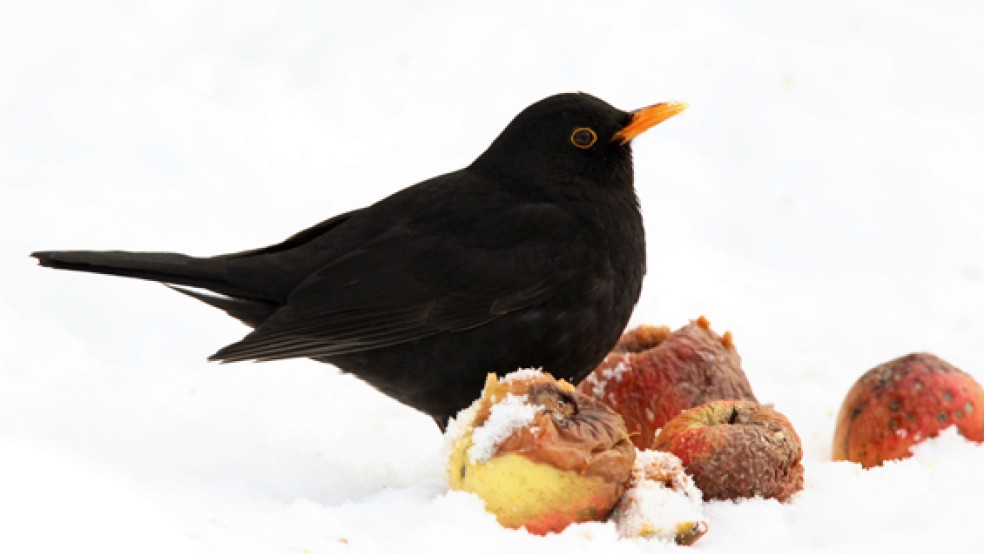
{"type": "Point", "coordinates": [647, 117]}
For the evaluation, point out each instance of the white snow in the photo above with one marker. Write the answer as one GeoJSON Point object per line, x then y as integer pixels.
{"type": "Point", "coordinates": [821, 198]}
{"type": "Point", "coordinates": [522, 374]}
{"type": "Point", "coordinates": [458, 426]}
{"type": "Point", "coordinates": [599, 384]}
{"type": "Point", "coordinates": [661, 499]}
{"type": "Point", "coordinates": [506, 416]}
{"type": "Point", "coordinates": [49, 504]}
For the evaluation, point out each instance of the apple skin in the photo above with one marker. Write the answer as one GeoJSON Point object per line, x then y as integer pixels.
{"type": "Point", "coordinates": [536, 496]}
{"type": "Point", "coordinates": [652, 375]}
{"type": "Point", "coordinates": [903, 402]}
{"type": "Point", "coordinates": [736, 449]}
{"type": "Point", "coordinates": [570, 463]}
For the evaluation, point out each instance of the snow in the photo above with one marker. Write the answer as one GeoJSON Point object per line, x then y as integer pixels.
{"type": "Point", "coordinates": [41, 489]}
{"type": "Point", "coordinates": [522, 374]}
{"type": "Point", "coordinates": [661, 499]}
{"type": "Point", "coordinates": [599, 384]}
{"type": "Point", "coordinates": [506, 416]}
{"type": "Point", "coordinates": [821, 198]}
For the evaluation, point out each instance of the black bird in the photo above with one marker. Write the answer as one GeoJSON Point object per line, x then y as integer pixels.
{"type": "Point", "coordinates": [532, 256]}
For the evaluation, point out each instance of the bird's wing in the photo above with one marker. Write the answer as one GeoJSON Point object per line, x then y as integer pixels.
{"type": "Point", "coordinates": [296, 239]}
{"type": "Point", "coordinates": [406, 285]}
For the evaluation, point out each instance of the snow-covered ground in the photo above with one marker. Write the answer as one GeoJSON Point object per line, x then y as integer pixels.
{"type": "Point", "coordinates": [821, 199]}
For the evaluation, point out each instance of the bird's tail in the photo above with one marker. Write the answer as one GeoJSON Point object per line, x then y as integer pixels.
{"type": "Point", "coordinates": [173, 269]}
{"type": "Point", "coordinates": [176, 269]}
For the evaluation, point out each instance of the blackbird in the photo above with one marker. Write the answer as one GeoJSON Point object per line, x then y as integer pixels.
{"type": "Point", "coordinates": [532, 256]}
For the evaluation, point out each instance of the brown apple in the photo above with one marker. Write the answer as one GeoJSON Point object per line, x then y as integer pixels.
{"type": "Point", "coordinates": [735, 449]}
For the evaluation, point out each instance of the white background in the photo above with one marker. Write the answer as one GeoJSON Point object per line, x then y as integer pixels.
{"type": "Point", "coordinates": [821, 199]}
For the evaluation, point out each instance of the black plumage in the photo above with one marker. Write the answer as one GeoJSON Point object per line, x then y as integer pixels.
{"type": "Point", "coordinates": [532, 256]}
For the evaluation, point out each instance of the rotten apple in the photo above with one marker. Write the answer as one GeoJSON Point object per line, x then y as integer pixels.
{"type": "Point", "coordinates": [539, 454]}
{"type": "Point", "coordinates": [652, 375]}
{"type": "Point", "coordinates": [735, 449]}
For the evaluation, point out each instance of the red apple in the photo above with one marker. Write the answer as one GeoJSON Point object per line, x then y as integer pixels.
{"type": "Point", "coordinates": [652, 375]}
{"type": "Point", "coordinates": [736, 448]}
{"type": "Point", "coordinates": [903, 402]}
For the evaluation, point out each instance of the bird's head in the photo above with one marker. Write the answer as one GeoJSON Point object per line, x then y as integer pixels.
{"type": "Point", "coordinates": [570, 139]}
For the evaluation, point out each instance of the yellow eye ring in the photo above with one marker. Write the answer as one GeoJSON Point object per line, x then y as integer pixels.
{"type": "Point", "coordinates": [583, 138]}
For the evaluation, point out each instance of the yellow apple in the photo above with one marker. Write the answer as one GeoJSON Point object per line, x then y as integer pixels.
{"type": "Point", "coordinates": [539, 454]}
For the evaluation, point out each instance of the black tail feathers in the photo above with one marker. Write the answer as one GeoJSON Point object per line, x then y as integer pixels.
{"type": "Point", "coordinates": [163, 267]}
{"type": "Point", "coordinates": [251, 312]}
{"type": "Point", "coordinates": [171, 269]}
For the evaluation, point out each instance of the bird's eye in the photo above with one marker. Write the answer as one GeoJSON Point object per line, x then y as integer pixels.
{"type": "Point", "coordinates": [583, 138]}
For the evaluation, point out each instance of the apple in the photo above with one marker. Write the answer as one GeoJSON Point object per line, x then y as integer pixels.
{"type": "Point", "coordinates": [539, 454]}
{"type": "Point", "coordinates": [735, 449]}
{"type": "Point", "coordinates": [903, 402]}
{"type": "Point", "coordinates": [652, 375]}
